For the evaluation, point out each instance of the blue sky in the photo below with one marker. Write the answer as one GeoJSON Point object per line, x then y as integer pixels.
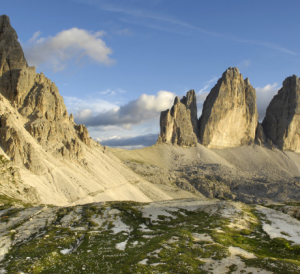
{"type": "Point", "coordinates": [119, 63]}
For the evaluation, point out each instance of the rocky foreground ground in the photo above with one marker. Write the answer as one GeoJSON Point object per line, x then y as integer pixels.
{"type": "Point", "coordinates": [195, 235]}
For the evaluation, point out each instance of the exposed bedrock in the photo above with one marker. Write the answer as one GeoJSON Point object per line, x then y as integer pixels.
{"type": "Point", "coordinates": [179, 125]}
{"type": "Point", "coordinates": [282, 121]}
{"type": "Point", "coordinates": [229, 116]}
{"type": "Point", "coordinates": [38, 100]}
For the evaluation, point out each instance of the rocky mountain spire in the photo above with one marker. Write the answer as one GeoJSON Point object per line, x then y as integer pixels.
{"type": "Point", "coordinates": [38, 100]}
{"type": "Point", "coordinates": [282, 121]}
{"type": "Point", "coordinates": [179, 125]}
{"type": "Point", "coordinates": [11, 53]}
{"type": "Point", "coordinates": [229, 116]}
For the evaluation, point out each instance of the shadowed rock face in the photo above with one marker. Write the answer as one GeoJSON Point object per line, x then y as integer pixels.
{"type": "Point", "coordinates": [11, 53]}
{"type": "Point", "coordinates": [38, 100]}
{"type": "Point", "coordinates": [179, 125]}
{"type": "Point", "coordinates": [229, 116]}
{"type": "Point", "coordinates": [282, 121]}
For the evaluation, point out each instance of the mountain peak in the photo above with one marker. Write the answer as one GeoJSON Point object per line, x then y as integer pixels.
{"type": "Point", "coordinates": [11, 53]}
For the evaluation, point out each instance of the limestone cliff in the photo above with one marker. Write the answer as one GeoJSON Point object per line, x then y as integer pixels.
{"type": "Point", "coordinates": [179, 125]}
{"type": "Point", "coordinates": [39, 102]}
{"type": "Point", "coordinates": [50, 158]}
{"type": "Point", "coordinates": [11, 53]}
{"type": "Point", "coordinates": [229, 116]}
{"type": "Point", "coordinates": [282, 121]}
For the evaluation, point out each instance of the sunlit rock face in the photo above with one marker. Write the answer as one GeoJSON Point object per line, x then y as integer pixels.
{"type": "Point", "coordinates": [179, 125]}
{"type": "Point", "coordinates": [37, 99]}
{"type": "Point", "coordinates": [229, 116]}
{"type": "Point", "coordinates": [282, 121]}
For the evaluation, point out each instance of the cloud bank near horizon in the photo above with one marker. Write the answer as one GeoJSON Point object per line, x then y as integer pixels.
{"type": "Point", "coordinates": [130, 142]}
{"type": "Point", "coordinates": [142, 109]}
{"type": "Point", "coordinates": [100, 115]}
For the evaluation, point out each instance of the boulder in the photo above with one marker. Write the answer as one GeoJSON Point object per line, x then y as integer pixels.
{"type": "Point", "coordinates": [179, 125]}
{"type": "Point", "coordinates": [282, 121]}
{"type": "Point", "coordinates": [229, 116]}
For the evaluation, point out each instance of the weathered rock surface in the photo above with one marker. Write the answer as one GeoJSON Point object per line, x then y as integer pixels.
{"type": "Point", "coordinates": [282, 121]}
{"type": "Point", "coordinates": [252, 174]}
{"type": "Point", "coordinates": [260, 137]}
{"type": "Point", "coordinates": [128, 237]}
{"type": "Point", "coordinates": [179, 125]}
{"type": "Point", "coordinates": [11, 53]}
{"type": "Point", "coordinates": [55, 159]}
{"type": "Point", "coordinates": [229, 116]}
{"type": "Point", "coordinates": [37, 99]}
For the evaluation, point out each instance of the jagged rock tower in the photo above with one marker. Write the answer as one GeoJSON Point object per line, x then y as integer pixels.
{"type": "Point", "coordinates": [282, 121]}
{"type": "Point", "coordinates": [37, 99]}
{"type": "Point", "coordinates": [179, 125]}
{"type": "Point", "coordinates": [229, 116]}
{"type": "Point", "coordinates": [44, 156]}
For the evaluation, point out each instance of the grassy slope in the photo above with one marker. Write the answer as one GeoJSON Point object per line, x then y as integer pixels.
{"type": "Point", "coordinates": [167, 245]}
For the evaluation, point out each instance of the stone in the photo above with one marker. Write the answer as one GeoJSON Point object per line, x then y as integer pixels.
{"type": "Point", "coordinates": [11, 53]}
{"type": "Point", "coordinates": [71, 118]}
{"type": "Point", "coordinates": [58, 162]}
{"type": "Point", "coordinates": [229, 116]}
{"type": "Point", "coordinates": [38, 100]}
{"type": "Point", "coordinates": [83, 134]}
{"type": "Point", "coordinates": [260, 137]}
{"type": "Point", "coordinates": [179, 125]}
{"type": "Point", "coordinates": [282, 121]}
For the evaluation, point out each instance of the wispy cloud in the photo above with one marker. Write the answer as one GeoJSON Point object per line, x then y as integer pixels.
{"type": "Point", "coordinates": [213, 80]}
{"type": "Point", "coordinates": [244, 64]}
{"type": "Point", "coordinates": [57, 51]}
{"type": "Point", "coordinates": [112, 92]}
{"type": "Point", "coordinates": [134, 12]}
{"type": "Point", "coordinates": [202, 94]}
{"type": "Point", "coordinates": [125, 32]}
{"type": "Point", "coordinates": [204, 89]}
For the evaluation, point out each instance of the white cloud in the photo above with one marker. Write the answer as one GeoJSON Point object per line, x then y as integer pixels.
{"type": "Point", "coordinates": [264, 96]}
{"type": "Point", "coordinates": [75, 105]}
{"type": "Point", "coordinates": [67, 46]}
{"type": "Point", "coordinates": [143, 109]}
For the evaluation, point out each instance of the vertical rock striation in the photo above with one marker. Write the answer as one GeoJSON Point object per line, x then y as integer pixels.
{"type": "Point", "coordinates": [11, 53]}
{"type": "Point", "coordinates": [179, 125]}
{"type": "Point", "coordinates": [38, 100]}
{"type": "Point", "coordinates": [229, 116]}
{"type": "Point", "coordinates": [282, 121]}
